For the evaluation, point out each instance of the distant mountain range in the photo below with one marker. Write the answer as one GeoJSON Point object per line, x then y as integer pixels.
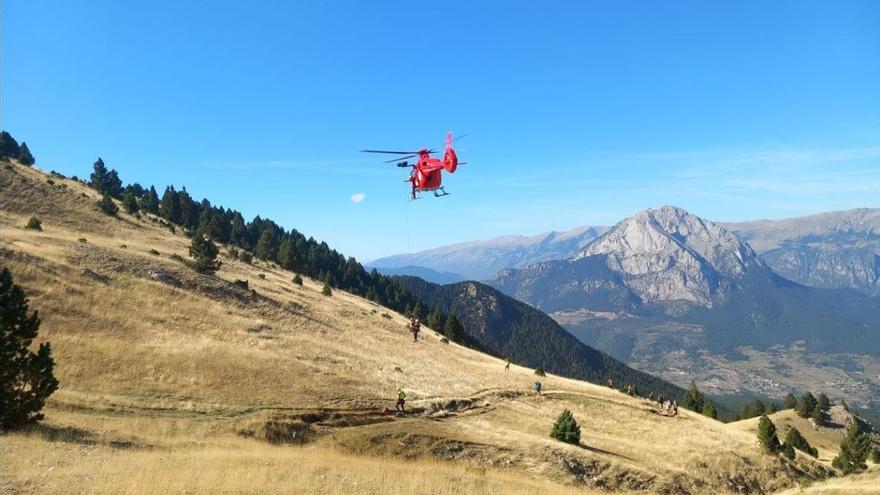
{"type": "Point", "coordinates": [831, 250]}
{"type": "Point", "coordinates": [667, 265]}
{"type": "Point", "coordinates": [481, 260]}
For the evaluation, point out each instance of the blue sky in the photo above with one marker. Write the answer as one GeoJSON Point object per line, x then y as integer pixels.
{"type": "Point", "coordinates": [576, 112]}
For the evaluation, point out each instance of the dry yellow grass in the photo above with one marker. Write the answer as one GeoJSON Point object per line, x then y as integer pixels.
{"type": "Point", "coordinates": [239, 466]}
{"type": "Point", "coordinates": [167, 389]}
{"type": "Point", "coordinates": [859, 484]}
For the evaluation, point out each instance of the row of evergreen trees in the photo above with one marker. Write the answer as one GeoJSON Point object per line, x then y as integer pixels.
{"type": "Point", "coordinates": [810, 406]}
{"type": "Point", "coordinates": [807, 406]}
{"type": "Point", "coordinates": [697, 402]}
{"type": "Point", "coordinates": [264, 239]}
{"type": "Point", "coordinates": [793, 440]}
{"type": "Point", "coordinates": [855, 448]}
{"type": "Point", "coordinates": [10, 149]}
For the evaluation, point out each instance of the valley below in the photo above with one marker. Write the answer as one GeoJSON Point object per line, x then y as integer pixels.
{"type": "Point", "coordinates": [678, 353]}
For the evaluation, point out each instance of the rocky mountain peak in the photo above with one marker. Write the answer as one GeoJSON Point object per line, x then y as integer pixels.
{"type": "Point", "coordinates": [670, 254]}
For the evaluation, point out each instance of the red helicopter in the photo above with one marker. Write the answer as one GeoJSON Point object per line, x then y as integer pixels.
{"type": "Point", "coordinates": [426, 172]}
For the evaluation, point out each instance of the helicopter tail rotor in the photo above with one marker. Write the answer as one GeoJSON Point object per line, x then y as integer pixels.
{"type": "Point", "coordinates": [450, 159]}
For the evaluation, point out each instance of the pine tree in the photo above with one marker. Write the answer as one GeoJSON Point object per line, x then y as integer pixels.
{"type": "Point", "coordinates": [105, 181]}
{"type": "Point", "coordinates": [767, 434]}
{"type": "Point", "coordinates": [8, 146]}
{"type": "Point", "coordinates": [854, 451]}
{"type": "Point", "coordinates": [693, 398]}
{"type": "Point", "coordinates": [150, 201]}
{"type": "Point", "coordinates": [265, 245]}
{"type": "Point", "coordinates": [875, 456]}
{"type": "Point", "coordinates": [218, 227]}
{"type": "Point", "coordinates": [98, 179]}
{"type": "Point", "coordinates": [129, 202]}
{"type": "Point", "coordinates": [791, 401]}
{"type": "Point", "coordinates": [823, 402]}
{"type": "Point", "coordinates": [326, 290]}
{"type": "Point", "coordinates": [107, 205]}
{"type": "Point", "coordinates": [806, 405]}
{"type": "Point", "coordinates": [436, 320]}
{"type": "Point", "coordinates": [113, 184]}
{"type": "Point", "coordinates": [796, 440]}
{"type": "Point", "coordinates": [204, 253]}
{"type": "Point", "coordinates": [285, 253]}
{"type": "Point", "coordinates": [297, 280]}
{"type": "Point", "coordinates": [26, 378]}
{"type": "Point", "coordinates": [709, 410]}
{"type": "Point", "coordinates": [189, 216]}
{"type": "Point", "coordinates": [453, 329]}
{"type": "Point", "coordinates": [566, 429]}
{"type": "Point", "coordinates": [788, 451]}
{"type": "Point", "coordinates": [24, 155]}
{"type": "Point", "coordinates": [169, 207]}
{"type": "Point", "coordinates": [238, 231]}
{"type": "Point", "coordinates": [818, 416]}
{"type": "Point", "coordinates": [772, 409]}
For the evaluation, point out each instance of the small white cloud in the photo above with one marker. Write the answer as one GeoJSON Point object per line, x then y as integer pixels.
{"type": "Point", "coordinates": [358, 197]}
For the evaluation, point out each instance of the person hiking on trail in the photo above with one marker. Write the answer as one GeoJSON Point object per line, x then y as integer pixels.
{"type": "Point", "coordinates": [507, 365]}
{"type": "Point", "coordinates": [414, 327]}
{"type": "Point", "coordinates": [610, 383]}
{"type": "Point", "coordinates": [401, 400]}
{"type": "Point", "coordinates": [538, 388]}
{"type": "Point", "coordinates": [675, 408]}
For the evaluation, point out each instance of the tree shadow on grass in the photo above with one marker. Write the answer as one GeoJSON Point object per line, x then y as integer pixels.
{"type": "Point", "coordinates": [81, 436]}
{"type": "Point", "coordinates": [597, 450]}
{"type": "Point", "coordinates": [68, 434]}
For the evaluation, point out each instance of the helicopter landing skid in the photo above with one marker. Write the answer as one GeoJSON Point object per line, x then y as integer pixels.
{"type": "Point", "coordinates": [442, 193]}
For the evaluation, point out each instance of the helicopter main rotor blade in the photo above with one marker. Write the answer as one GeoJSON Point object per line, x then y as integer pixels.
{"type": "Point", "coordinates": [391, 152]}
{"type": "Point", "coordinates": [400, 158]}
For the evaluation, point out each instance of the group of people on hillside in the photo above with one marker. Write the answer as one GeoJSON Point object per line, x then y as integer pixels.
{"type": "Point", "coordinates": [668, 407]}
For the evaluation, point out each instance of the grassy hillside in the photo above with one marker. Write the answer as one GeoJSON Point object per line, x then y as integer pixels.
{"type": "Point", "coordinates": [173, 381]}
